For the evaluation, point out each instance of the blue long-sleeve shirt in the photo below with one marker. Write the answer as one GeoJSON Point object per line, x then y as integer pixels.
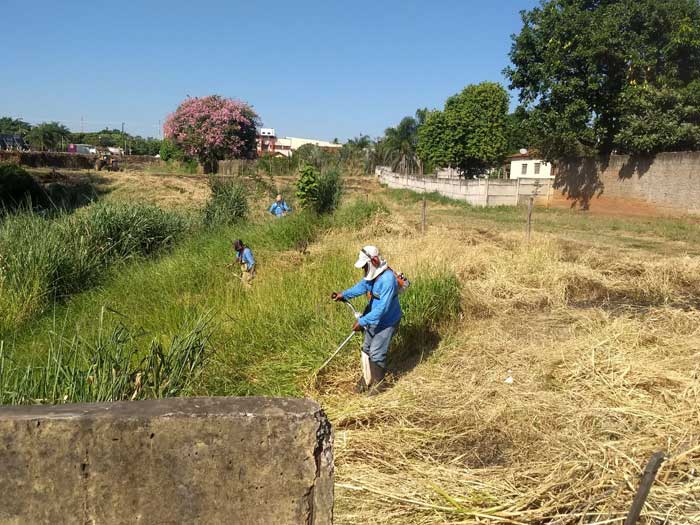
{"type": "Point", "coordinates": [383, 308]}
{"type": "Point", "coordinates": [279, 208]}
{"type": "Point", "coordinates": [246, 258]}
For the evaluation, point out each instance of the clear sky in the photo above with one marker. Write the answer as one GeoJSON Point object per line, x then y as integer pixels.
{"type": "Point", "coordinates": [309, 68]}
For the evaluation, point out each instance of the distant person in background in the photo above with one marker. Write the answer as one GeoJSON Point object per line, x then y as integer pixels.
{"type": "Point", "coordinates": [245, 258]}
{"type": "Point", "coordinates": [279, 208]}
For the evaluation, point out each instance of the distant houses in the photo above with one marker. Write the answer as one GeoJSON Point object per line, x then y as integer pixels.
{"type": "Point", "coordinates": [525, 165]}
{"type": "Point", "coordinates": [268, 143]}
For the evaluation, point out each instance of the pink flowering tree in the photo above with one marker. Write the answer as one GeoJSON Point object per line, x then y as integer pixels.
{"type": "Point", "coordinates": [213, 128]}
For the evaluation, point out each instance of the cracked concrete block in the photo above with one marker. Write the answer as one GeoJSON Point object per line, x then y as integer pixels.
{"type": "Point", "coordinates": [188, 460]}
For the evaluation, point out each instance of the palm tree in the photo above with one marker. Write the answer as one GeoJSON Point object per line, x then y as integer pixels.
{"type": "Point", "coordinates": [48, 136]}
{"type": "Point", "coordinates": [398, 147]}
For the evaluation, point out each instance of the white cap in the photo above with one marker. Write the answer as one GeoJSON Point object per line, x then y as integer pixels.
{"type": "Point", "coordinates": [365, 257]}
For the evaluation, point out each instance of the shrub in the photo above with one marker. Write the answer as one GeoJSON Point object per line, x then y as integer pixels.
{"type": "Point", "coordinates": [169, 151]}
{"type": "Point", "coordinates": [18, 187]}
{"type": "Point", "coordinates": [44, 259]}
{"type": "Point", "coordinates": [317, 192]}
{"type": "Point", "coordinates": [228, 203]}
{"type": "Point", "coordinates": [111, 367]}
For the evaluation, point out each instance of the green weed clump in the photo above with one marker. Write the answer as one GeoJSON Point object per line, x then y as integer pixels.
{"type": "Point", "coordinates": [319, 192]}
{"type": "Point", "coordinates": [228, 203]}
{"type": "Point", "coordinates": [112, 367]}
{"type": "Point", "coordinates": [43, 260]}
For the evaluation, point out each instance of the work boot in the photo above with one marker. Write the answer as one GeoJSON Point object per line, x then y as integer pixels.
{"type": "Point", "coordinates": [377, 384]}
{"type": "Point", "coordinates": [361, 386]}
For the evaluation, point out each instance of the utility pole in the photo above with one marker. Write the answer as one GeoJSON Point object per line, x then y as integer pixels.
{"type": "Point", "coordinates": [123, 139]}
{"type": "Point", "coordinates": [82, 127]}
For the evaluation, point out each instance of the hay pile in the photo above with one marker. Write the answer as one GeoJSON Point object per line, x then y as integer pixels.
{"type": "Point", "coordinates": [603, 348]}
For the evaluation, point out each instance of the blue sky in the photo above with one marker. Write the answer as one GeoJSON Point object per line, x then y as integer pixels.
{"type": "Point", "coordinates": [309, 68]}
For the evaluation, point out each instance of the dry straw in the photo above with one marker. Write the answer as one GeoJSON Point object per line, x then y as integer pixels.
{"type": "Point", "coordinates": [603, 349]}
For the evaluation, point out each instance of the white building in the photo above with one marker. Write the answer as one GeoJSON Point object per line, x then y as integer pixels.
{"type": "Point", "coordinates": [268, 143]}
{"type": "Point", "coordinates": [525, 166]}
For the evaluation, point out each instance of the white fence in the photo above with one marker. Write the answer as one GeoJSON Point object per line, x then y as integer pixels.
{"type": "Point", "coordinates": [481, 192]}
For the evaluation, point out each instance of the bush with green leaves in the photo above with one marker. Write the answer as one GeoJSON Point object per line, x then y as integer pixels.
{"type": "Point", "coordinates": [18, 188]}
{"type": "Point", "coordinates": [42, 259]}
{"type": "Point", "coordinates": [111, 367]}
{"type": "Point", "coordinates": [228, 203]}
{"type": "Point", "coordinates": [319, 192]}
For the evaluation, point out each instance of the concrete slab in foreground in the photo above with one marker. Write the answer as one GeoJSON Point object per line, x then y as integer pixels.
{"type": "Point", "coordinates": [191, 460]}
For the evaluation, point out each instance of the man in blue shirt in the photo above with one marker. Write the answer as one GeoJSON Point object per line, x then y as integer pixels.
{"type": "Point", "coordinates": [279, 208]}
{"type": "Point", "coordinates": [381, 317]}
{"type": "Point", "coordinates": [245, 258]}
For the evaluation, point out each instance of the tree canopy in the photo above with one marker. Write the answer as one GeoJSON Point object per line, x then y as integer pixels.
{"type": "Point", "coordinates": [48, 136]}
{"type": "Point", "coordinates": [213, 128]}
{"type": "Point", "coordinates": [12, 126]}
{"type": "Point", "coordinates": [471, 133]}
{"type": "Point", "coordinates": [604, 75]}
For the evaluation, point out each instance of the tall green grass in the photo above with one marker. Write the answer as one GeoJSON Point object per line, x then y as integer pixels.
{"type": "Point", "coordinates": [228, 203]}
{"type": "Point", "coordinates": [43, 260]}
{"type": "Point", "coordinates": [268, 340]}
{"type": "Point", "coordinates": [114, 366]}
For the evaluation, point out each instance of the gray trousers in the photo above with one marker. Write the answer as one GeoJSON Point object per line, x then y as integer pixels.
{"type": "Point", "coordinates": [376, 344]}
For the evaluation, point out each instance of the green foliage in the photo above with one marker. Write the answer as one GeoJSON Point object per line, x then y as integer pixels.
{"type": "Point", "coordinates": [518, 130]}
{"type": "Point", "coordinates": [169, 151]}
{"type": "Point", "coordinates": [329, 192]}
{"type": "Point", "coordinates": [589, 70]}
{"type": "Point", "coordinates": [11, 126]}
{"type": "Point", "coordinates": [18, 188]}
{"type": "Point", "coordinates": [315, 156]}
{"type": "Point", "coordinates": [114, 138]}
{"type": "Point", "coordinates": [41, 259]}
{"type": "Point", "coordinates": [317, 192]}
{"type": "Point", "coordinates": [111, 367]}
{"type": "Point", "coordinates": [49, 136]}
{"type": "Point", "coordinates": [397, 149]}
{"type": "Point", "coordinates": [307, 185]}
{"type": "Point", "coordinates": [660, 119]}
{"type": "Point", "coordinates": [275, 166]}
{"type": "Point", "coordinates": [471, 132]}
{"type": "Point", "coordinates": [228, 203]}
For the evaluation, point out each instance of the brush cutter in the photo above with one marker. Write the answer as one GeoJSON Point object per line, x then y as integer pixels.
{"type": "Point", "coordinates": [347, 339]}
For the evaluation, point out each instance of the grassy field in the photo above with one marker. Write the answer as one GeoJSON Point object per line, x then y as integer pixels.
{"type": "Point", "coordinates": [595, 322]}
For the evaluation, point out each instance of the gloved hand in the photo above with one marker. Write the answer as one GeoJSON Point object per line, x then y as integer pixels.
{"type": "Point", "coordinates": [356, 327]}
{"type": "Point", "coordinates": [337, 296]}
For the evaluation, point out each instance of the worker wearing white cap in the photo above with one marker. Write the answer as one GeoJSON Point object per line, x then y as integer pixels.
{"type": "Point", "coordinates": [381, 317]}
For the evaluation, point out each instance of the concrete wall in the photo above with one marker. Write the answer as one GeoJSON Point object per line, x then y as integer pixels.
{"type": "Point", "coordinates": [195, 460]}
{"type": "Point", "coordinates": [481, 192]}
{"type": "Point", "coordinates": [668, 181]}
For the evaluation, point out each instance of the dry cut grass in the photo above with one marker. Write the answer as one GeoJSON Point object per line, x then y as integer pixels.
{"type": "Point", "coordinates": [603, 350]}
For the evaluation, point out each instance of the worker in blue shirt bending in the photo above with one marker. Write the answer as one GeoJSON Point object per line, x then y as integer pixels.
{"type": "Point", "coordinates": [279, 208]}
{"type": "Point", "coordinates": [381, 317]}
{"type": "Point", "coordinates": [245, 258]}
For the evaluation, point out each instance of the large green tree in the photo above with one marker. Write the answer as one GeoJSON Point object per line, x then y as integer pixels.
{"type": "Point", "coordinates": [48, 136]}
{"type": "Point", "coordinates": [588, 69]}
{"type": "Point", "coordinates": [13, 126]}
{"type": "Point", "coordinates": [471, 133]}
